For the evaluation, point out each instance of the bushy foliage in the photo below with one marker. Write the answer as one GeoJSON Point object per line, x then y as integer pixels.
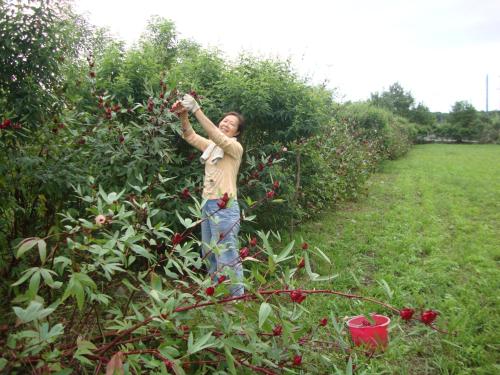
{"type": "Point", "coordinates": [401, 103]}
{"type": "Point", "coordinates": [490, 132]}
{"type": "Point", "coordinates": [392, 134]}
{"type": "Point", "coordinates": [465, 124]}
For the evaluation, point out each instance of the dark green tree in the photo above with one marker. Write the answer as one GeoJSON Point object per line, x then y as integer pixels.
{"type": "Point", "coordinates": [36, 38]}
{"type": "Point", "coordinates": [464, 122]}
{"type": "Point", "coordinates": [422, 116]}
{"type": "Point", "coordinates": [161, 37]}
{"type": "Point", "coordinates": [396, 100]}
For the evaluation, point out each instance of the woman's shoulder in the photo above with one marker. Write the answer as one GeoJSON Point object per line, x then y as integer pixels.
{"type": "Point", "coordinates": [238, 144]}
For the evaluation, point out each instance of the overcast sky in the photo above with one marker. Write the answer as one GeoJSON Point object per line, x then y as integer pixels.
{"type": "Point", "coordinates": [439, 50]}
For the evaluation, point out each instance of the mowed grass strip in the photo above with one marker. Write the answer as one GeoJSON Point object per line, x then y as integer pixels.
{"type": "Point", "coordinates": [429, 226]}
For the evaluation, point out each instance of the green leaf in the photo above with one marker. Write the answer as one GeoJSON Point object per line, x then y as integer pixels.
{"type": "Point", "coordinates": [203, 343]}
{"type": "Point", "coordinates": [348, 368]}
{"type": "Point", "coordinates": [178, 370]}
{"type": "Point", "coordinates": [323, 255]}
{"type": "Point", "coordinates": [283, 255]}
{"type": "Point", "coordinates": [42, 250]}
{"type": "Point", "coordinates": [141, 251]}
{"type": "Point", "coordinates": [190, 341]}
{"type": "Point", "coordinates": [188, 223]}
{"type": "Point", "coordinates": [35, 282]}
{"type": "Point", "coordinates": [26, 275]}
{"type": "Point", "coordinates": [264, 311]}
{"type": "Point", "coordinates": [229, 360]}
{"type": "Point", "coordinates": [386, 287]}
{"type": "Point", "coordinates": [325, 278]}
{"type": "Point", "coordinates": [312, 275]}
{"type": "Point", "coordinates": [129, 285]}
{"type": "Point", "coordinates": [47, 277]}
{"type": "Point", "coordinates": [26, 245]}
{"type": "Point", "coordinates": [34, 311]}
{"type": "Point", "coordinates": [231, 342]}
{"type": "Point", "coordinates": [278, 201]}
{"type": "Point", "coordinates": [75, 288]}
{"type": "Point", "coordinates": [85, 279]}
{"type": "Point", "coordinates": [84, 347]}
{"type": "Point", "coordinates": [271, 264]}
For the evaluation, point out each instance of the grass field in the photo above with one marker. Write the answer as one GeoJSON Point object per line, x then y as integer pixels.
{"type": "Point", "coordinates": [429, 225]}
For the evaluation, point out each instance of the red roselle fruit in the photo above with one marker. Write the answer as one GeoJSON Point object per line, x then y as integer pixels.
{"type": "Point", "coordinates": [5, 124]}
{"type": "Point", "coordinates": [185, 193]}
{"type": "Point", "coordinates": [277, 330]}
{"type": "Point", "coordinates": [168, 364]}
{"type": "Point", "coordinates": [210, 291]}
{"type": "Point", "coordinates": [276, 184]}
{"type": "Point", "coordinates": [270, 194]}
{"type": "Point", "coordinates": [176, 107]}
{"type": "Point", "coordinates": [244, 252]}
{"type": "Point", "coordinates": [297, 360]}
{"type": "Point", "coordinates": [222, 203]}
{"type": "Point", "coordinates": [194, 94]}
{"type": "Point", "coordinates": [406, 313]}
{"type": "Point", "coordinates": [302, 263]}
{"type": "Point", "coordinates": [221, 279]}
{"type": "Point", "coordinates": [260, 167]}
{"type": "Point", "coordinates": [427, 317]}
{"type": "Point", "coordinates": [176, 239]}
{"type": "Point", "coordinates": [121, 139]}
{"type": "Point", "coordinates": [305, 246]}
{"type": "Point", "coordinates": [297, 296]}
{"type": "Point", "coordinates": [253, 242]}
{"type": "Point", "coordinates": [365, 323]}
{"type": "Point", "coordinates": [323, 322]}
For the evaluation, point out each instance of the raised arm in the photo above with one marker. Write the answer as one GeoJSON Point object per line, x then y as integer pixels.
{"type": "Point", "coordinates": [190, 135]}
{"type": "Point", "coordinates": [229, 145]}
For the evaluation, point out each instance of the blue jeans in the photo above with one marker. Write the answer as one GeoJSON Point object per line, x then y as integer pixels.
{"type": "Point", "coordinates": [224, 221]}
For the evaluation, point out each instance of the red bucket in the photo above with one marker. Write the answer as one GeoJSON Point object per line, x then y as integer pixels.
{"type": "Point", "coordinates": [363, 333]}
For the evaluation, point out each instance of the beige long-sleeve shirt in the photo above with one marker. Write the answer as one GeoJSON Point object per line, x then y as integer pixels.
{"type": "Point", "coordinates": [221, 177]}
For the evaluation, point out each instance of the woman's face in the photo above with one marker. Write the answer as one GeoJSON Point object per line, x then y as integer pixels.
{"type": "Point", "coordinates": [230, 125]}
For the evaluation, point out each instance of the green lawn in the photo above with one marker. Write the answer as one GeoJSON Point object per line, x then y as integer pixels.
{"type": "Point", "coordinates": [429, 225]}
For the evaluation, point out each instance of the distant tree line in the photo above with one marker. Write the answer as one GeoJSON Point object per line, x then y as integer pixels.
{"type": "Point", "coordinates": [463, 124]}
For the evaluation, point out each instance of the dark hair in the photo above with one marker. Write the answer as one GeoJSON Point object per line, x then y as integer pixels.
{"type": "Point", "coordinates": [241, 121]}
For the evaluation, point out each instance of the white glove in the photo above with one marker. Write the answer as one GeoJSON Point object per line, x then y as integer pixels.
{"type": "Point", "coordinates": [190, 103]}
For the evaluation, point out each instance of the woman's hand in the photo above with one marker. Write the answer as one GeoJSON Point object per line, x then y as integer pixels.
{"type": "Point", "coordinates": [178, 109]}
{"type": "Point", "coordinates": [190, 103]}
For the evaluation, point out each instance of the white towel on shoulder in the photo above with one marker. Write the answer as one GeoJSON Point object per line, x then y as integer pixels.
{"type": "Point", "coordinates": [212, 152]}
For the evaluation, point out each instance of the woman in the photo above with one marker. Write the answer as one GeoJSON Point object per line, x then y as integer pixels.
{"type": "Point", "coordinates": [222, 158]}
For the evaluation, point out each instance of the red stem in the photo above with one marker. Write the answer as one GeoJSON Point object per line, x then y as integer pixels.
{"type": "Point", "coordinates": [248, 297]}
